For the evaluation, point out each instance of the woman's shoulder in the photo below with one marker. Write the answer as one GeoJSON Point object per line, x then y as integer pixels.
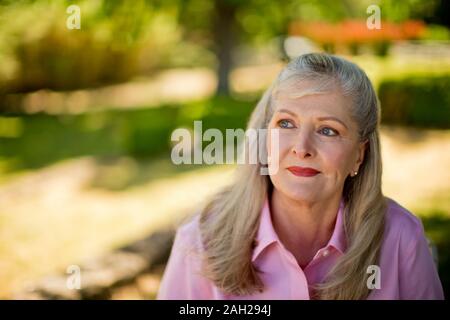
{"type": "Point", "coordinates": [401, 223]}
{"type": "Point", "coordinates": [188, 232]}
{"type": "Point", "coordinates": [190, 225]}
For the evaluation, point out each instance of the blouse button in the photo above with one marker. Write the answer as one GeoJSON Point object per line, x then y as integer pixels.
{"type": "Point", "coordinates": [325, 253]}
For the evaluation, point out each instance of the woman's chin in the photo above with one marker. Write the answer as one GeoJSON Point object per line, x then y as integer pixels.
{"type": "Point", "coordinates": [303, 196]}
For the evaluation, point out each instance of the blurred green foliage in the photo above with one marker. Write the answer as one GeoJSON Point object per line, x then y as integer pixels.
{"type": "Point", "coordinates": [44, 139]}
{"type": "Point", "coordinates": [119, 40]}
{"type": "Point", "coordinates": [437, 226]}
{"type": "Point", "coordinates": [420, 100]}
{"type": "Point", "coordinates": [437, 33]}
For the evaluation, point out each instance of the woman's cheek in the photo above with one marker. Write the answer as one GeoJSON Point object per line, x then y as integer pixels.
{"type": "Point", "coordinates": [284, 146]}
{"type": "Point", "coordinates": [336, 158]}
{"type": "Point", "coordinates": [281, 145]}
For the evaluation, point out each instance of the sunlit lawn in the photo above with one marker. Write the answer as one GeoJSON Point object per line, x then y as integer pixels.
{"type": "Point", "coordinates": [73, 194]}
{"type": "Point", "coordinates": [76, 209]}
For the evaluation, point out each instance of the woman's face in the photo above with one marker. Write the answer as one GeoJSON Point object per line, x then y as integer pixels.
{"type": "Point", "coordinates": [315, 131]}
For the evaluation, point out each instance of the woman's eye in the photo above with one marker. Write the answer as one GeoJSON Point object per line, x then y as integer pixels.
{"type": "Point", "coordinates": [285, 124]}
{"type": "Point", "coordinates": [329, 132]}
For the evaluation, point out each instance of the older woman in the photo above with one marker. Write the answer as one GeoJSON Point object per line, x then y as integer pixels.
{"type": "Point", "coordinates": [319, 226]}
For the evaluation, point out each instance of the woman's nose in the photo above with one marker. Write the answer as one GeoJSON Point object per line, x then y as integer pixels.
{"type": "Point", "coordinates": [303, 146]}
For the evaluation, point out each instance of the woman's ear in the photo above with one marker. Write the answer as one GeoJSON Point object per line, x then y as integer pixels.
{"type": "Point", "coordinates": [361, 153]}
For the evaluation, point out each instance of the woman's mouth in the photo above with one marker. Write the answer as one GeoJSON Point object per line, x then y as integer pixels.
{"type": "Point", "coordinates": [303, 172]}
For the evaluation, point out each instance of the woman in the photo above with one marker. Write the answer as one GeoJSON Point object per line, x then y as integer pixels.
{"type": "Point", "coordinates": [319, 226]}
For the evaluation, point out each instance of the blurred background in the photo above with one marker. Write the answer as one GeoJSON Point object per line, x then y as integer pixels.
{"type": "Point", "coordinates": [86, 114]}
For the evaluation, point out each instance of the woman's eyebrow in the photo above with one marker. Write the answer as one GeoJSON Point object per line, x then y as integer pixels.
{"type": "Point", "coordinates": [287, 111]}
{"type": "Point", "coordinates": [319, 118]}
{"type": "Point", "coordinates": [334, 119]}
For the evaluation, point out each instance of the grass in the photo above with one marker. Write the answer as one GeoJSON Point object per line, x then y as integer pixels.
{"type": "Point", "coordinates": [72, 213]}
{"type": "Point", "coordinates": [38, 140]}
{"type": "Point", "coordinates": [73, 209]}
{"type": "Point", "coordinates": [72, 187]}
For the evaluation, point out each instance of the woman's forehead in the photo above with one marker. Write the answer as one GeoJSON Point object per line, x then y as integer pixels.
{"type": "Point", "coordinates": [306, 99]}
{"type": "Point", "coordinates": [310, 94]}
{"type": "Point", "coordinates": [295, 88]}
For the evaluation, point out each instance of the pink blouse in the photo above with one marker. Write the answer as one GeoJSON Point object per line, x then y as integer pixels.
{"type": "Point", "coordinates": [406, 268]}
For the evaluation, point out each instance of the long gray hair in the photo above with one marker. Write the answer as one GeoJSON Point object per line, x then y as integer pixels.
{"type": "Point", "coordinates": [229, 222]}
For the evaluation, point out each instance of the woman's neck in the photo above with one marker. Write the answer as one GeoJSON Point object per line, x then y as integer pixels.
{"type": "Point", "coordinates": [303, 227]}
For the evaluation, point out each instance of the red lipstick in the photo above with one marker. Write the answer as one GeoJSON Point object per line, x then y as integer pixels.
{"type": "Point", "coordinates": [303, 172]}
